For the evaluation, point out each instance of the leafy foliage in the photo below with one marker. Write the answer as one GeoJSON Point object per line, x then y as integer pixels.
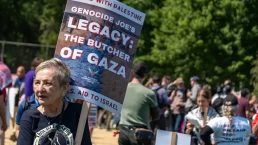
{"type": "Point", "coordinates": [215, 40]}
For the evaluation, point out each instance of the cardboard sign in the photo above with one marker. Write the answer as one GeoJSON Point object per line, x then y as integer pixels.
{"type": "Point", "coordinates": [98, 41]}
{"type": "Point", "coordinates": [5, 76]}
{"type": "Point", "coordinates": [172, 138]}
{"type": "Point", "coordinates": [93, 116]}
{"type": "Point", "coordinates": [10, 103]}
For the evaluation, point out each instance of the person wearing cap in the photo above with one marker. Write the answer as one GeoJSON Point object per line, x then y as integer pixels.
{"type": "Point", "coordinates": [229, 129]}
{"type": "Point", "coordinates": [244, 106]}
{"type": "Point", "coordinates": [178, 105]}
{"type": "Point", "coordinates": [140, 104]}
{"type": "Point", "coordinates": [192, 96]}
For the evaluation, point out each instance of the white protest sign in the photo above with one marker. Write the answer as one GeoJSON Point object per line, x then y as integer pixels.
{"type": "Point", "coordinates": [93, 116]}
{"type": "Point", "coordinates": [11, 101]}
{"type": "Point", "coordinates": [98, 41]}
{"type": "Point", "coordinates": [11, 92]}
{"type": "Point", "coordinates": [172, 138]}
{"type": "Point", "coordinates": [193, 120]}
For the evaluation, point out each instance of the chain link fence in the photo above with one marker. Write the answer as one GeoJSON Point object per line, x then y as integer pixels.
{"type": "Point", "coordinates": [15, 54]}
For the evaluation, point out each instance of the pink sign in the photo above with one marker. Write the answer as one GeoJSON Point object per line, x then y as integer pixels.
{"type": "Point", "coordinates": [5, 76]}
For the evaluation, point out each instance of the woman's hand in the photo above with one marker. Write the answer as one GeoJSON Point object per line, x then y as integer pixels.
{"type": "Point", "coordinates": [4, 127]}
{"type": "Point", "coordinates": [213, 143]}
{"type": "Point", "coordinates": [150, 81]}
{"type": "Point", "coordinates": [189, 126]}
{"type": "Point", "coordinates": [173, 94]}
{"type": "Point", "coordinates": [189, 93]}
{"type": "Point", "coordinates": [178, 104]}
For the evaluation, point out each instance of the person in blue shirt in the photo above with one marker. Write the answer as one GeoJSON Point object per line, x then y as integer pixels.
{"type": "Point", "coordinates": [19, 85]}
{"type": "Point", "coordinates": [29, 103]}
{"type": "Point", "coordinates": [55, 121]}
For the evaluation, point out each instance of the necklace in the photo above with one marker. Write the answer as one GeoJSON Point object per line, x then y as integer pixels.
{"type": "Point", "coordinates": [50, 120]}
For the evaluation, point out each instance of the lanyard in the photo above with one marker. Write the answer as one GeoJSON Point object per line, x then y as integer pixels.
{"type": "Point", "coordinates": [59, 123]}
{"type": "Point", "coordinates": [36, 102]}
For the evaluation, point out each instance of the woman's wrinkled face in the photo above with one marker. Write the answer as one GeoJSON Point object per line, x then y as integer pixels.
{"type": "Point", "coordinates": [202, 102]}
{"type": "Point", "coordinates": [47, 87]}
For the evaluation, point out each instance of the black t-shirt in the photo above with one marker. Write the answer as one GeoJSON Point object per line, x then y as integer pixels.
{"type": "Point", "coordinates": [35, 130]}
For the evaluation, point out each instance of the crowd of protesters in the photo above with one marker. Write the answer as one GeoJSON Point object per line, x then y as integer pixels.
{"type": "Point", "coordinates": [225, 117]}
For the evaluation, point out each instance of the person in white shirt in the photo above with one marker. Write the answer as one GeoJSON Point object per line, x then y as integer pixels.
{"type": "Point", "coordinates": [229, 129]}
{"type": "Point", "coordinates": [203, 114]}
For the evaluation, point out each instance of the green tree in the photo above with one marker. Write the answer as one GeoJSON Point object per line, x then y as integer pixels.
{"type": "Point", "coordinates": [50, 21]}
{"type": "Point", "coordinates": [254, 73]}
{"type": "Point", "coordinates": [19, 20]}
{"type": "Point", "coordinates": [216, 40]}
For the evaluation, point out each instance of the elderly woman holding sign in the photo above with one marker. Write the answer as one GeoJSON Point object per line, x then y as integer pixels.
{"type": "Point", "coordinates": [55, 121]}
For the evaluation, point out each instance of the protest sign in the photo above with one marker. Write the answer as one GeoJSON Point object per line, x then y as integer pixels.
{"type": "Point", "coordinates": [93, 116]}
{"type": "Point", "coordinates": [10, 103]}
{"type": "Point", "coordinates": [5, 76]}
{"type": "Point", "coordinates": [98, 41]}
{"type": "Point", "coordinates": [193, 120]}
{"type": "Point", "coordinates": [11, 93]}
{"type": "Point", "coordinates": [172, 138]}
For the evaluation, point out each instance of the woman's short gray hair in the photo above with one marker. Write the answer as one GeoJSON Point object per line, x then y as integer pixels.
{"type": "Point", "coordinates": [61, 69]}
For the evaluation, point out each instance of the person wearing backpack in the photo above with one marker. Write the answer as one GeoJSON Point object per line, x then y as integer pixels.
{"type": "Point", "coordinates": [163, 101]}
{"type": "Point", "coordinates": [29, 103]}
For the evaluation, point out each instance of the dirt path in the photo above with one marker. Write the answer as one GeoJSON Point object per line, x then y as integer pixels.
{"type": "Point", "coordinates": [100, 137]}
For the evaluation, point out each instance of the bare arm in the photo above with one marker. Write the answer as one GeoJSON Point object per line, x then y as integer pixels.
{"type": "Point", "coordinates": [247, 108]}
{"type": "Point", "coordinates": [149, 83]}
{"type": "Point", "coordinates": [252, 101]}
{"type": "Point", "coordinates": [255, 130]}
{"type": "Point", "coordinates": [247, 114]}
{"type": "Point", "coordinates": [173, 94]}
{"type": "Point", "coordinates": [2, 113]}
{"type": "Point", "coordinates": [17, 130]}
{"type": "Point", "coordinates": [154, 113]}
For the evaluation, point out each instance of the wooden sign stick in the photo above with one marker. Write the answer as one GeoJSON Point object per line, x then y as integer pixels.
{"type": "Point", "coordinates": [205, 119]}
{"type": "Point", "coordinates": [205, 116]}
{"type": "Point", "coordinates": [173, 139]}
{"type": "Point", "coordinates": [81, 125]}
